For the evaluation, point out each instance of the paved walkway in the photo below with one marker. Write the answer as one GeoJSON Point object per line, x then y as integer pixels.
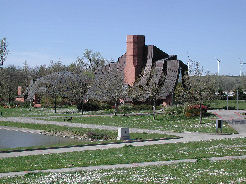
{"type": "Point", "coordinates": [118, 166]}
{"type": "Point", "coordinates": [228, 114]}
{"type": "Point", "coordinates": [234, 117]}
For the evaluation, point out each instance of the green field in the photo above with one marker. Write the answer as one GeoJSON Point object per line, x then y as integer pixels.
{"type": "Point", "coordinates": [203, 170]}
{"type": "Point", "coordinates": [220, 104]}
{"type": "Point", "coordinates": [37, 112]}
{"type": "Point", "coordinates": [162, 122]}
{"type": "Point", "coordinates": [126, 154]}
{"type": "Point", "coordinates": [200, 172]}
{"type": "Point", "coordinates": [176, 123]}
{"type": "Point", "coordinates": [49, 112]}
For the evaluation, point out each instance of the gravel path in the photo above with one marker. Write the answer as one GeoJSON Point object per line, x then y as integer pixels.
{"type": "Point", "coordinates": [118, 166]}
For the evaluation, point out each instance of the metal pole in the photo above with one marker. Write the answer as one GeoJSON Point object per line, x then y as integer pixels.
{"type": "Point", "coordinates": [227, 101]}
{"type": "Point", "coordinates": [237, 99]}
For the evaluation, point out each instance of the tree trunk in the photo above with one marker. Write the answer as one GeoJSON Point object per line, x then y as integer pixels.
{"type": "Point", "coordinates": [154, 109]}
{"type": "Point", "coordinates": [237, 99]}
{"type": "Point", "coordinates": [227, 102]}
{"type": "Point", "coordinates": [30, 105]}
{"type": "Point", "coordinates": [200, 113]}
{"type": "Point", "coordinates": [9, 99]}
{"type": "Point", "coordinates": [115, 108]}
{"type": "Point", "coordinates": [55, 104]}
{"type": "Point", "coordinates": [82, 107]}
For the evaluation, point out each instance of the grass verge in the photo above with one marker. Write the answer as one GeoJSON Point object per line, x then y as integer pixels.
{"type": "Point", "coordinates": [178, 123]}
{"type": "Point", "coordinates": [162, 122]}
{"type": "Point", "coordinates": [126, 154]}
{"type": "Point", "coordinates": [220, 104]}
{"type": "Point", "coordinates": [200, 172]}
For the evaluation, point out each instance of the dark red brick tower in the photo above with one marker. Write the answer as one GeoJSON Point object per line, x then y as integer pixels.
{"type": "Point", "coordinates": [134, 57]}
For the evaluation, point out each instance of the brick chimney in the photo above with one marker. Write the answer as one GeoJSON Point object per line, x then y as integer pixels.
{"type": "Point", "coordinates": [19, 90]}
{"type": "Point", "coordinates": [134, 57]}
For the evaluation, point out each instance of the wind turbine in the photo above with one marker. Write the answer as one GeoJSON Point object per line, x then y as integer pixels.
{"type": "Point", "coordinates": [218, 62]}
{"type": "Point", "coordinates": [241, 66]}
{"type": "Point", "coordinates": [188, 64]}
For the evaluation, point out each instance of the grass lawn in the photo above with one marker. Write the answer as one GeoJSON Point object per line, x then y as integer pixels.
{"type": "Point", "coordinates": [200, 172]}
{"type": "Point", "coordinates": [219, 104]}
{"type": "Point", "coordinates": [37, 112]}
{"type": "Point", "coordinates": [48, 112]}
{"type": "Point", "coordinates": [126, 154]}
{"type": "Point", "coordinates": [162, 122]}
{"type": "Point", "coordinates": [106, 135]}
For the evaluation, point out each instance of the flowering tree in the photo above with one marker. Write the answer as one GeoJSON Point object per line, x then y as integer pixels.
{"type": "Point", "coordinates": [63, 84]}
{"type": "Point", "coordinates": [151, 90]}
{"type": "Point", "coordinates": [199, 87]}
{"type": "Point", "coordinates": [109, 85]}
{"type": "Point", "coordinates": [3, 51]}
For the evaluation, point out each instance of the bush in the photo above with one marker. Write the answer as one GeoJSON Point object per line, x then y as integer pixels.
{"type": "Point", "coordinates": [229, 107]}
{"type": "Point", "coordinates": [88, 106]}
{"type": "Point", "coordinates": [46, 101]}
{"type": "Point", "coordinates": [142, 107]}
{"type": "Point", "coordinates": [105, 106]}
{"type": "Point", "coordinates": [174, 110]}
{"type": "Point", "coordinates": [25, 104]}
{"type": "Point", "coordinates": [125, 108]}
{"type": "Point", "coordinates": [97, 136]}
{"type": "Point", "coordinates": [194, 110]}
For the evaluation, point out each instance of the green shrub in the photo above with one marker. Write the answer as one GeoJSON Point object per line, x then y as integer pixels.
{"type": "Point", "coordinates": [25, 104]}
{"type": "Point", "coordinates": [46, 101]}
{"type": "Point", "coordinates": [142, 107]}
{"type": "Point", "coordinates": [125, 108]}
{"type": "Point", "coordinates": [174, 110]}
{"type": "Point", "coordinates": [88, 106]}
{"type": "Point", "coordinates": [105, 106]}
{"type": "Point", "coordinates": [97, 136]}
{"type": "Point", "coordinates": [229, 107]}
{"type": "Point", "coordinates": [194, 110]}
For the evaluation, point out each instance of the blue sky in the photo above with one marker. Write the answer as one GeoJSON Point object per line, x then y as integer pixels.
{"type": "Point", "coordinates": [42, 30]}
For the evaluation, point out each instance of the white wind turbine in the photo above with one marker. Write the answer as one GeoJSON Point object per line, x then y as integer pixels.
{"type": "Point", "coordinates": [218, 62]}
{"type": "Point", "coordinates": [241, 66]}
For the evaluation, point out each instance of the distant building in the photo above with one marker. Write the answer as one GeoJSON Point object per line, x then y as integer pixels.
{"type": "Point", "coordinates": [20, 97]}
{"type": "Point", "coordinates": [141, 60]}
